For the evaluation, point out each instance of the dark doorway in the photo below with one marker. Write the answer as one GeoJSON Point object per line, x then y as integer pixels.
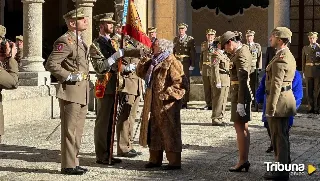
{"type": "Point", "coordinates": [13, 18]}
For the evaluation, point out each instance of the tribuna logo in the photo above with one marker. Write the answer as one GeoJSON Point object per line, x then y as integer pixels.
{"type": "Point", "coordinates": [293, 168]}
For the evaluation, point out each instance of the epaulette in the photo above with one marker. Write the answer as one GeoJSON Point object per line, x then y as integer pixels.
{"type": "Point", "coordinates": [69, 38]}
{"type": "Point", "coordinates": [190, 37]}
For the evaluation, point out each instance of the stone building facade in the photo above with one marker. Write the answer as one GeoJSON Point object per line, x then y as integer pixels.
{"type": "Point", "coordinates": [41, 23]}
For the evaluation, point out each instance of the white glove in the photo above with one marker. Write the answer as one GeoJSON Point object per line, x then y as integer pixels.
{"type": "Point", "coordinates": [130, 67]}
{"type": "Point", "coordinates": [241, 110]}
{"type": "Point", "coordinates": [200, 72]}
{"type": "Point", "coordinates": [118, 54]}
{"type": "Point", "coordinates": [191, 68]}
{"type": "Point", "coordinates": [218, 85]}
{"type": "Point", "coordinates": [75, 77]}
{"type": "Point", "coordinates": [112, 59]}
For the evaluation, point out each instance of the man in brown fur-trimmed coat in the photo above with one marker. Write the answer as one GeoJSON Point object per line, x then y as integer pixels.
{"type": "Point", "coordinates": [166, 86]}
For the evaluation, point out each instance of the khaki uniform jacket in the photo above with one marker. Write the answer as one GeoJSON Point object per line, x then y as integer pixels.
{"type": "Point", "coordinates": [205, 58]}
{"type": "Point", "coordinates": [256, 53]}
{"type": "Point", "coordinates": [220, 69]}
{"type": "Point", "coordinates": [280, 73]}
{"type": "Point", "coordinates": [240, 67]}
{"type": "Point", "coordinates": [62, 61]}
{"type": "Point", "coordinates": [186, 46]}
{"type": "Point", "coordinates": [311, 61]}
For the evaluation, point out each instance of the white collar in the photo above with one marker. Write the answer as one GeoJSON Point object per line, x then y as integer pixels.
{"type": "Point", "coordinates": [182, 37]}
{"type": "Point", "coordinates": [240, 46]}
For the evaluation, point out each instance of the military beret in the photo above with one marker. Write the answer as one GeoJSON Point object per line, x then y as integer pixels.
{"type": "Point", "coordinates": [312, 34]}
{"type": "Point", "coordinates": [152, 29]}
{"type": "Point", "coordinates": [182, 25]}
{"type": "Point", "coordinates": [76, 13]}
{"type": "Point", "coordinates": [226, 36]}
{"type": "Point", "coordinates": [210, 32]}
{"type": "Point", "coordinates": [3, 31]}
{"type": "Point", "coordinates": [20, 37]}
{"type": "Point", "coordinates": [105, 17]}
{"type": "Point", "coordinates": [250, 33]}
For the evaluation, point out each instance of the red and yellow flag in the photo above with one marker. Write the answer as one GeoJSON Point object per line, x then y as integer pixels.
{"type": "Point", "coordinates": [133, 26]}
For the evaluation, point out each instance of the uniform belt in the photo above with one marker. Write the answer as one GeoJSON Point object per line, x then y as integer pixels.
{"type": "Point", "coordinates": [206, 63]}
{"type": "Point", "coordinates": [235, 82]}
{"type": "Point", "coordinates": [286, 88]}
{"type": "Point", "coordinates": [181, 56]}
{"type": "Point", "coordinates": [312, 64]}
{"type": "Point", "coordinates": [86, 76]}
{"type": "Point", "coordinates": [224, 72]}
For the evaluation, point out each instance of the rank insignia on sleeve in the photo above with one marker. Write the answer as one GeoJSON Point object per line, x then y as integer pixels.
{"type": "Point", "coordinates": [59, 47]}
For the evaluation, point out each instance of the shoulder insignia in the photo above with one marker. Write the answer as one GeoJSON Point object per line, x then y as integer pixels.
{"type": "Point", "coordinates": [70, 40]}
{"type": "Point", "coordinates": [282, 55]}
{"type": "Point", "coordinates": [190, 37]}
{"type": "Point", "coordinates": [59, 47]}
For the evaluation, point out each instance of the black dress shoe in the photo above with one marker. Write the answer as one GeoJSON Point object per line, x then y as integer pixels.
{"type": "Point", "coordinates": [280, 176]}
{"type": "Point", "coordinates": [72, 171]}
{"type": "Point", "coordinates": [106, 162]}
{"type": "Point", "coordinates": [130, 154]}
{"type": "Point", "coordinates": [245, 166]}
{"type": "Point", "coordinates": [81, 168]}
{"type": "Point", "coordinates": [152, 165]}
{"type": "Point", "coordinates": [270, 149]}
{"type": "Point", "coordinates": [171, 167]}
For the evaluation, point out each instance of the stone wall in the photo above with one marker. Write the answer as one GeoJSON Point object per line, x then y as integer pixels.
{"type": "Point", "coordinates": [30, 103]}
{"type": "Point", "coordinates": [253, 18]}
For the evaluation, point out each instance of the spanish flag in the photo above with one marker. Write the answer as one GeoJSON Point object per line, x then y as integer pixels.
{"type": "Point", "coordinates": [133, 25]}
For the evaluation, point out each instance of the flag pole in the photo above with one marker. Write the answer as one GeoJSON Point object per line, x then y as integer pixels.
{"type": "Point", "coordinates": [116, 98]}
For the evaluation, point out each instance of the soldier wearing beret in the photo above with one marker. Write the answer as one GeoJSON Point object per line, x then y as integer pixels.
{"type": "Point", "coordinates": [256, 64]}
{"type": "Point", "coordinates": [207, 49]}
{"type": "Point", "coordinates": [280, 101]}
{"type": "Point", "coordinates": [8, 70]}
{"type": "Point", "coordinates": [19, 43]}
{"type": "Point", "coordinates": [152, 31]}
{"type": "Point", "coordinates": [240, 67]}
{"type": "Point", "coordinates": [310, 69]}
{"type": "Point", "coordinates": [185, 51]}
{"type": "Point", "coordinates": [69, 63]}
{"type": "Point", "coordinates": [220, 80]}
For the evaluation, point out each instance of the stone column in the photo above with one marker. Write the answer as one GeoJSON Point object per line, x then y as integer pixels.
{"type": "Point", "coordinates": [150, 10]}
{"type": "Point", "coordinates": [32, 72]}
{"type": "Point", "coordinates": [278, 14]}
{"type": "Point", "coordinates": [87, 5]}
{"type": "Point", "coordinates": [165, 13]}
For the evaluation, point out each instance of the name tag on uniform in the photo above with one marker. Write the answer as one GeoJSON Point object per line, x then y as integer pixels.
{"type": "Point", "coordinates": [317, 54]}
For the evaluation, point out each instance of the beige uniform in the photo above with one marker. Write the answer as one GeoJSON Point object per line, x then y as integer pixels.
{"type": "Point", "coordinates": [280, 101]}
{"type": "Point", "coordinates": [73, 96]}
{"type": "Point", "coordinates": [8, 80]}
{"type": "Point", "coordinates": [256, 64]}
{"type": "Point", "coordinates": [240, 67]}
{"type": "Point", "coordinates": [130, 94]}
{"type": "Point", "coordinates": [311, 70]}
{"type": "Point", "coordinates": [220, 75]}
{"type": "Point", "coordinates": [185, 51]}
{"type": "Point", "coordinates": [205, 67]}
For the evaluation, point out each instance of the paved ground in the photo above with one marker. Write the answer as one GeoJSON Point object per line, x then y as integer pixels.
{"type": "Point", "coordinates": [207, 154]}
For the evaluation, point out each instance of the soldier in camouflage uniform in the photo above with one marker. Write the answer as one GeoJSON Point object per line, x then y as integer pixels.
{"type": "Point", "coordinates": [205, 66]}
{"type": "Point", "coordinates": [311, 72]}
{"type": "Point", "coordinates": [256, 64]}
{"type": "Point", "coordinates": [185, 51]}
{"type": "Point", "coordinates": [220, 80]}
{"type": "Point", "coordinates": [8, 71]}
